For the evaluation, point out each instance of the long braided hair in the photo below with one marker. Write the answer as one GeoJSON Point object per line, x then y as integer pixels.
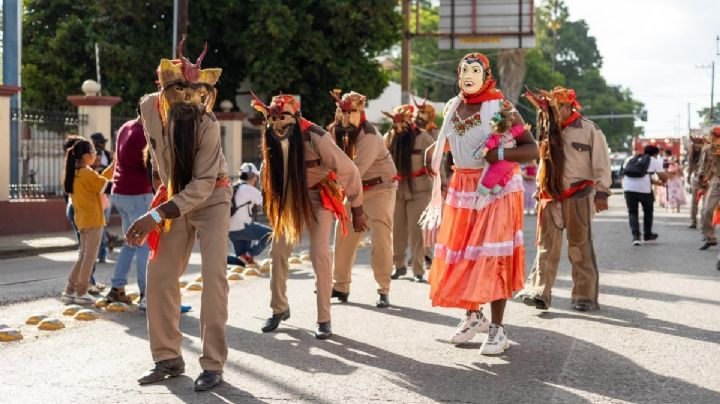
{"type": "Point", "coordinates": [401, 147]}
{"type": "Point", "coordinates": [552, 154]}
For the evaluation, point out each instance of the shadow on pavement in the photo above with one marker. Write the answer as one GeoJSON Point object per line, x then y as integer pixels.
{"type": "Point", "coordinates": [534, 361]}
{"type": "Point", "coordinates": [182, 388]}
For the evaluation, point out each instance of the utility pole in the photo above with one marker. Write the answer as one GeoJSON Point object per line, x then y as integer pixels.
{"type": "Point", "coordinates": [711, 66]}
{"type": "Point", "coordinates": [405, 56]}
{"type": "Point", "coordinates": [180, 22]}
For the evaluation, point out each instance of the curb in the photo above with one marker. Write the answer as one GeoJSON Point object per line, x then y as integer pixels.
{"type": "Point", "coordinates": [34, 251]}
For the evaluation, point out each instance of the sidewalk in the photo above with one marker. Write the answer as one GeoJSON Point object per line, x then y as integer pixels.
{"type": "Point", "coordinates": [23, 245]}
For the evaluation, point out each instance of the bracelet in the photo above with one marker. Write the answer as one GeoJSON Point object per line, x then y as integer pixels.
{"type": "Point", "coordinates": [155, 215]}
{"type": "Point", "coordinates": [501, 152]}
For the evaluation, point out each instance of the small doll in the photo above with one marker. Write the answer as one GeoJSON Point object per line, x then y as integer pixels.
{"type": "Point", "coordinates": [499, 174]}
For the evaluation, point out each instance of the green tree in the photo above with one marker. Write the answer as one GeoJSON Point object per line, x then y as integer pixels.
{"type": "Point", "coordinates": [705, 115]}
{"type": "Point", "coordinates": [305, 47]}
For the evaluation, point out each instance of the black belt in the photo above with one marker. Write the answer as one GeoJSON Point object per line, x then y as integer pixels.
{"type": "Point", "coordinates": [372, 182]}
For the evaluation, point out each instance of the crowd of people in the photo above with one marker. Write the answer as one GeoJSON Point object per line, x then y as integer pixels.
{"type": "Point", "coordinates": [447, 202]}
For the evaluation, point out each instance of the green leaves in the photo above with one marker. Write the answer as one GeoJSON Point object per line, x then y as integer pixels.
{"type": "Point", "coordinates": [304, 47]}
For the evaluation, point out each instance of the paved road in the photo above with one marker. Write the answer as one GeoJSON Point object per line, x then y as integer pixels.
{"type": "Point", "coordinates": [656, 339]}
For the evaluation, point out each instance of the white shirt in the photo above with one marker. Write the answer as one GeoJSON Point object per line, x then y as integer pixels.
{"type": "Point", "coordinates": [463, 147]}
{"type": "Point", "coordinates": [246, 194]}
{"type": "Point", "coordinates": [643, 185]}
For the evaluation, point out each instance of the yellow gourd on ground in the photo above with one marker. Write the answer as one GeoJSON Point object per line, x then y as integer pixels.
{"type": "Point", "coordinates": [86, 315]}
{"type": "Point", "coordinates": [8, 334]}
{"type": "Point", "coordinates": [35, 319]}
{"type": "Point", "coordinates": [251, 272]}
{"type": "Point", "coordinates": [51, 324]}
{"type": "Point", "coordinates": [117, 307]}
{"type": "Point", "coordinates": [195, 287]}
{"type": "Point", "coordinates": [71, 310]}
{"type": "Point", "coordinates": [232, 276]}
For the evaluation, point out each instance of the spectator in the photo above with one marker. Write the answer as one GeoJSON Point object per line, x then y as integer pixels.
{"type": "Point", "coordinates": [95, 287]}
{"type": "Point", "coordinates": [103, 160]}
{"type": "Point", "coordinates": [84, 187]}
{"type": "Point", "coordinates": [249, 238]}
{"type": "Point", "coordinates": [640, 174]}
{"type": "Point", "coordinates": [675, 186]}
{"type": "Point", "coordinates": [131, 196]}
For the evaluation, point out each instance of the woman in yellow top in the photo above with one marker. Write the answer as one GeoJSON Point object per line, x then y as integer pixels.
{"type": "Point", "coordinates": [84, 187]}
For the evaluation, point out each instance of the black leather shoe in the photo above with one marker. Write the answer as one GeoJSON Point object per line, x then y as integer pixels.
{"type": "Point", "coordinates": [428, 262]}
{"type": "Point", "coordinates": [383, 300]}
{"type": "Point", "coordinates": [167, 368]}
{"type": "Point", "coordinates": [323, 330]}
{"type": "Point", "coordinates": [343, 297]}
{"type": "Point", "coordinates": [707, 245]}
{"type": "Point", "coordinates": [534, 302]}
{"type": "Point", "coordinates": [207, 380]}
{"type": "Point", "coordinates": [273, 322]}
{"type": "Point", "coordinates": [692, 226]}
{"type": "Point", "coordinates": [399, 272]}
{"type": "Point", "coordinates": [419, 279]}
{"type": "Point", "coordinates": [717, 265]}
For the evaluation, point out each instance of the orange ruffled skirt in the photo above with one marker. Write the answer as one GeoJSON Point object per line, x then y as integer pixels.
{"type": "Point", "coordinates": [479, 255]}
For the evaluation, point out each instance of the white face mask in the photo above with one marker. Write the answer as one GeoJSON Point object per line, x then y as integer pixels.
{"type": "Point", "coordinates": [471, 77]}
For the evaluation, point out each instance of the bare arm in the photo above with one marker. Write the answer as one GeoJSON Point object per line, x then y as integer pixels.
{"type": "Point", "coordinates": [526, 150]}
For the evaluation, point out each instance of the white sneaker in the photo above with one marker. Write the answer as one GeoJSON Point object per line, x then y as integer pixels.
{"type": "Point", "coordinates": [496, 341]}
{"type": "Point", "coordinates": [87, 298]}
{"type": "Point", "coordinates": [143, 304]}
{"type": "Point", "coordinates": [473, 323]}
{"type": "Point", "coordinates": [67, 298]}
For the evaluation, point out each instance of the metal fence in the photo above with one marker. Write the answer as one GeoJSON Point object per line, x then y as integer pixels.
{"type": "Point", "coordinates": [41, 155]}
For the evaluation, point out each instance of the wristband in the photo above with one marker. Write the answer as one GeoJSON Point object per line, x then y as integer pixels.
{"type": "Point", "coordinates": [501, 152]}
{"type": "Point", "coordinates": [155, 215]}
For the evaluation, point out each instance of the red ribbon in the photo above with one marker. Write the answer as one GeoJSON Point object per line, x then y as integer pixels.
{"type": "Point", "coordinates": [414, 174]}
{"type": "Point", "coordinates": [332, 200]}
{"type": "Point", "coordinates": [545, 198]}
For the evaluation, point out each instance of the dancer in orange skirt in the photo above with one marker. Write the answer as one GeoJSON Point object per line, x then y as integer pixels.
{"type": "Point", "coordinates": [479, 252]}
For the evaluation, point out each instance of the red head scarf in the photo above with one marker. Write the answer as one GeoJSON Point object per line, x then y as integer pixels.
{"type": "Point", "coordinates": [487, 91]}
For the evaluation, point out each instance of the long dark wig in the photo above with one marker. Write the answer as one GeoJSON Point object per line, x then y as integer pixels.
{"type": "Point", "coordinates": [346, 138]}
{"type": "Point", "coordinates": [290, 208]}
{"type": "Point", "coordinates": [75, 148]}
{"type": "Point", "coordinates": [551, 152]}
{"type": "Point", "coordinates": [184, 125]}
{"type": "Point", "coordinates": [401, 147]}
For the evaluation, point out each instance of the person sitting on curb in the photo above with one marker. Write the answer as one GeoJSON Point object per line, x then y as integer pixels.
{"type": "Point", "coordinates": [248, 237]}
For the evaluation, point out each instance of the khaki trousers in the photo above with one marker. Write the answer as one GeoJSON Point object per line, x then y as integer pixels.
{"type": "Point", "coordinates": [712, 197]}
{"type": "Point", "coordinates": [319, 232]}
{"type": "Point", "coordinates": [574, 215]}
{"type": "Point", "coordinates": [379, 207]}
{"type": "Point", "coordinates": [89, 246]}
{"type": "Point", "coordinates": [406, 231]}
{"type": "Point", "coordinates": [209, 224]}
{"type": "Point", "coordinates": [694, 204]}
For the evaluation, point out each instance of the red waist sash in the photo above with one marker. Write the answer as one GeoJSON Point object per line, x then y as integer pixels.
{"type": "Point", "coordinates": [332, 197]}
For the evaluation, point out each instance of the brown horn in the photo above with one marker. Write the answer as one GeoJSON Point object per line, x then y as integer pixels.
{"type": "Point", "coordinates": [180, 48]}
{"type": "Point", "coordinates": [202, 56]}
{"type": "Point", "coordinates": [258, 100]}
{"type": "Point", "coordinates": [335, 97]}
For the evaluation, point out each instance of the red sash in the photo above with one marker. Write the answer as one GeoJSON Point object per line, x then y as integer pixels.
{"type": "Point", "coordinates": [332, 197]}
{"type": "Point", "coordinates": [414, 174]}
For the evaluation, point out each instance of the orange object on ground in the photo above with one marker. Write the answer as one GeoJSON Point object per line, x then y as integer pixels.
{"type": "Point", "coordinates": [479, 255]}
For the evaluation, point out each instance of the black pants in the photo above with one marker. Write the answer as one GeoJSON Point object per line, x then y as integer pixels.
{"type": "Point", "coordinates": [646, 200]}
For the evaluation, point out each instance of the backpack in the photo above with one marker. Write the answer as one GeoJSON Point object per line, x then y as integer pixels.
{"type": "Point", "coordinates": [637, 166]}
{"type": "Point", "coordinates": [233, 207]}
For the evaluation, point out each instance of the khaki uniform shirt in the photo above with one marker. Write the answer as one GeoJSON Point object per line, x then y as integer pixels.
{"type": "Point", "coordinates": [423, 183]}
{"type": "Point", "coordinates": [209, 165]}
{"type": "Point", "coordinates": [373, 160]}
{"type": "Point", "coordinates": [322, 155]}
{"type": "Point", "coordinates": [709, 164]}
{"type": "Point", "coordinates": [586, 156]}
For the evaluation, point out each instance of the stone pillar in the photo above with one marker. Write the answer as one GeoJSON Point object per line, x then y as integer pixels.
{"type": "Point", "coordinates": [6, 93]}
{"type": "Point", "coordinates": [231, 131]}
{"type": "Point", "coordinates": [98, 109]}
